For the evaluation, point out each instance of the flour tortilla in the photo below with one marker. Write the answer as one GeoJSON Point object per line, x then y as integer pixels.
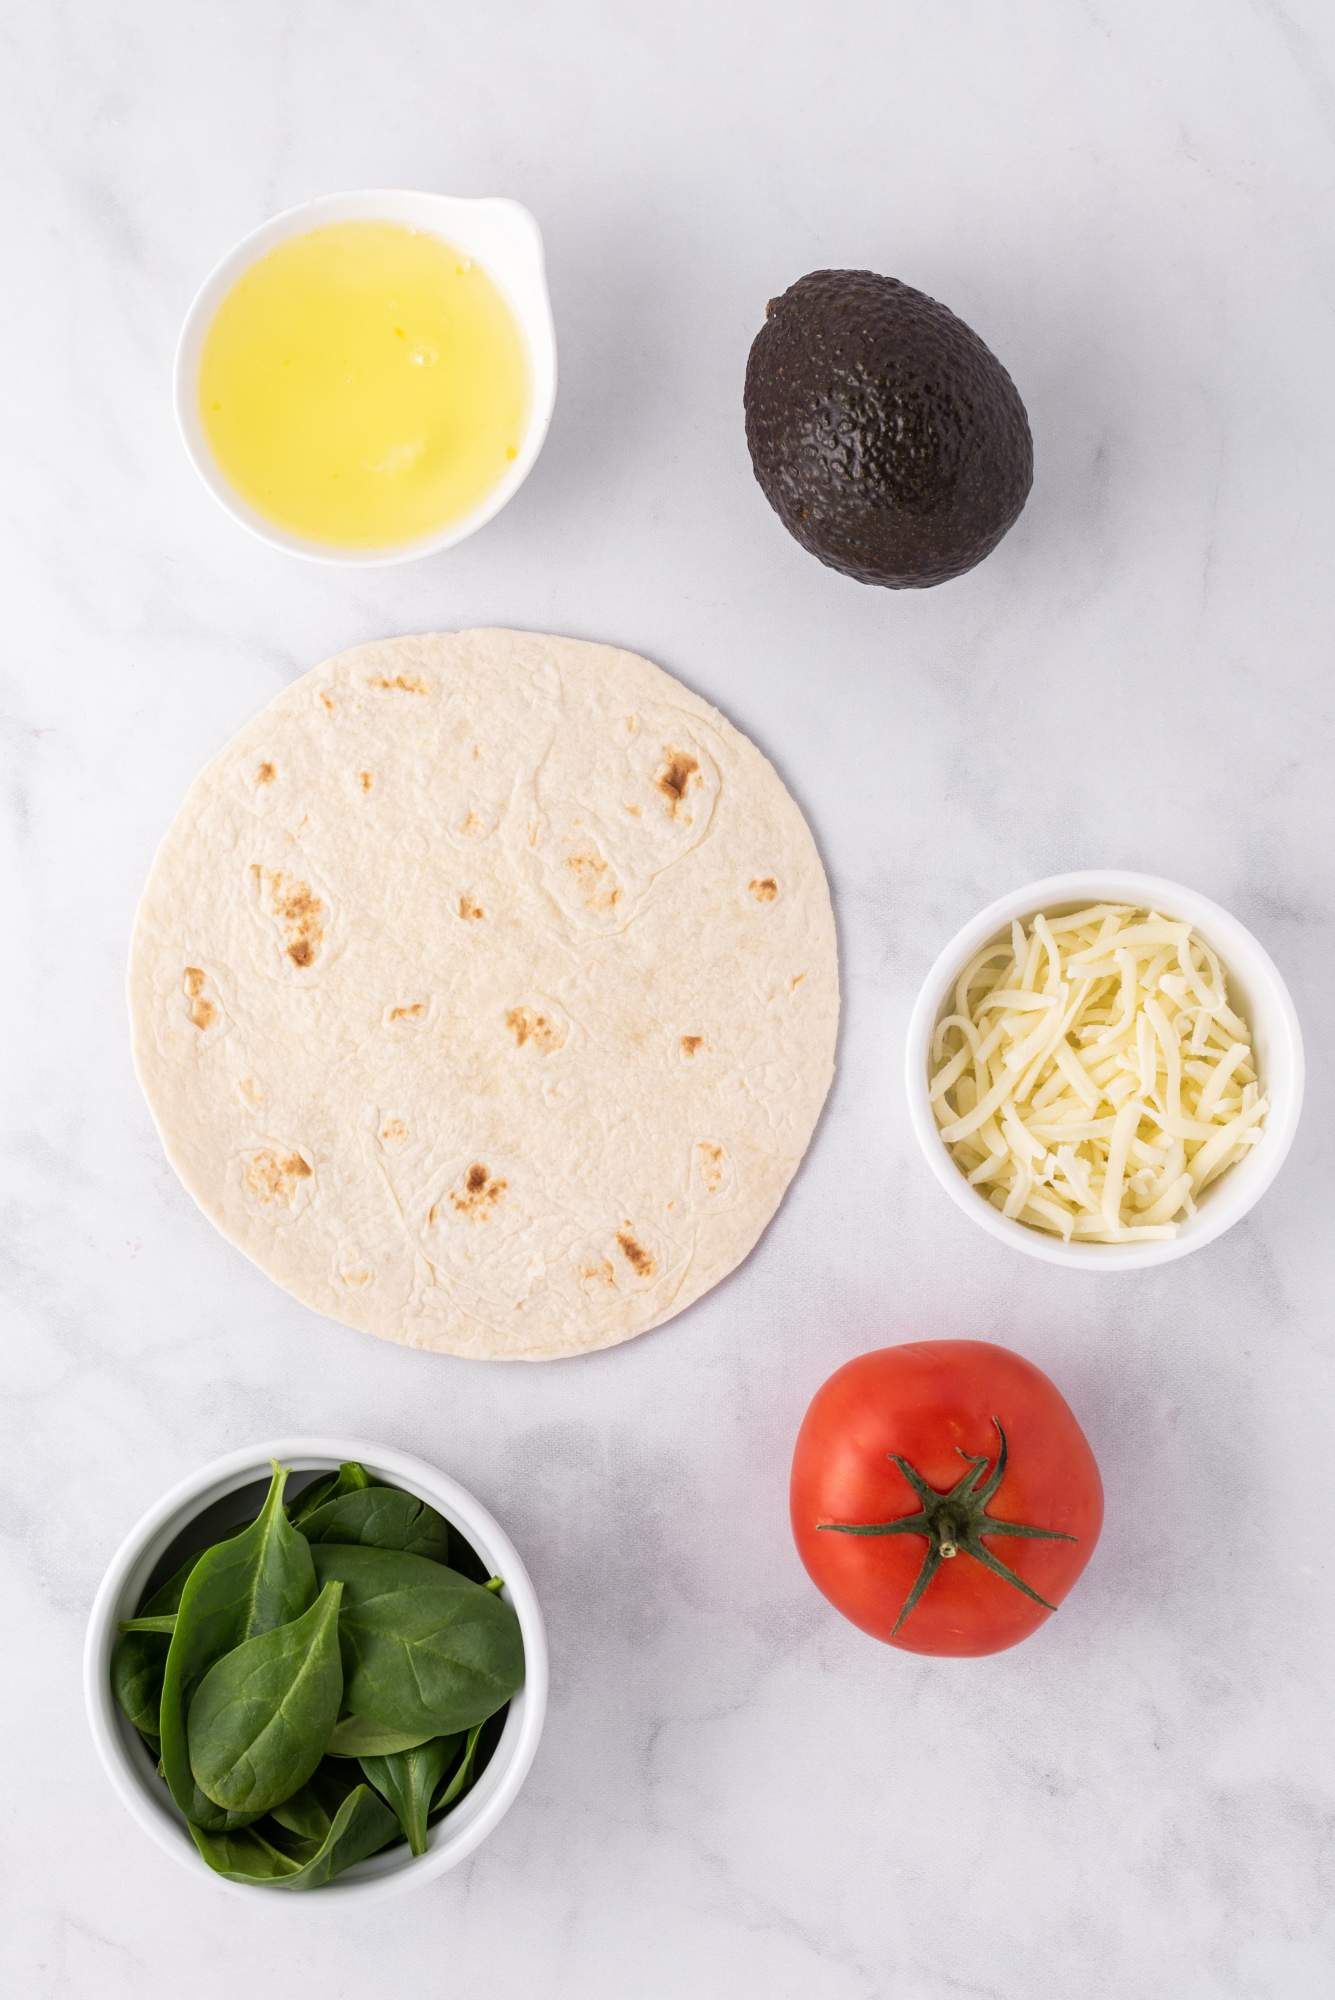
{"type": "Point", "coordinates": [484, 992]}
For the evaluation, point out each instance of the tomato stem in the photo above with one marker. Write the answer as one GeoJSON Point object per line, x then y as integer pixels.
{"type": "Point", "coordinates": [954, 1521]}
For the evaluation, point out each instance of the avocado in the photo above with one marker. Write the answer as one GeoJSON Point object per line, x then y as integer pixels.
{"type": "Point", "coordinates": [887, 438]}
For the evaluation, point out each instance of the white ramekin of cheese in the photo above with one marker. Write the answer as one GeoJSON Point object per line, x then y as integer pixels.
{"type": "Point", "coordinates": [1143, 1071]}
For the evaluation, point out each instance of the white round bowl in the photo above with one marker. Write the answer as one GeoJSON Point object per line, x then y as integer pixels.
{"type": "Point", "coordinates": [1259, 994]}
{"type": "Point", "coordinates": [500, 235]}
{"type": "Point", "coordinates": [131, 1770]}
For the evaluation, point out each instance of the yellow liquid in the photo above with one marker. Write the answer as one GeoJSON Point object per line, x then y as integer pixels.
{"type": "Point", "coordinates": [364, 385]}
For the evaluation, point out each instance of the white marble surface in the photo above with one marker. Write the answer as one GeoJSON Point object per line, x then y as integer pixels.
{"type": "Point", "coordinates": [737, 1793]}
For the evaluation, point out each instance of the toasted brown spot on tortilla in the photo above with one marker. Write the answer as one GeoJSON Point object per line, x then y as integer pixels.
{"type": "Point", "coordinates": [328, 701]}
{"type": "Point", "coordinates": [393, 1128]}
{"type": "Point", "coordinates": [355, 1280]}
{"type": "Point", "coordinates": [796, 981]}
{"type": "Point", "coordinates": [265, 774]}
{"type": "Point", "coordinates": [479, 1194]}
{"type": "Point", "coordinates": [297, 908]}
{"type": "Point", "coordinates": [690, 1043]}
{"type": "Point", "coordinates": [588, 870]}
{"type": "Point", "coordinates": [602, 1271]}
{"type": "Point", "coordinates": [469, 910]}
{"type": "Point", "coordinates": [641, 1263]}
{"type": "Point", "coordinates": [765, 889]}
{"type": "Point", "coordinates": [406, 683]}
{"type": "Point", "coordinates": [526, 1025]}
{"type": "Point", "coordinates": [273, 1179]}
{"type": "Point", "coordinates": [367, 779]}
{"type": "Point", "coordinates": [299, 904]}
{"type": "Point", "coordinates": [201, 1013]}
{"type": "Point", "coordinates": [672, 780]}
{"type": "Point", "coordinates": [634, 811]}
{"type": "Point", "coordinates": [711, 1165]}
{"type": "Point", "coordinates": [469, 823]}
{"type": "Point", "coordinates": [412, 1012]}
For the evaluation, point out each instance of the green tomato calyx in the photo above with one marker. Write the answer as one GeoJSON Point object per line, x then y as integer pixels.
{"type": "Point", "coordinates": [955, 1523]}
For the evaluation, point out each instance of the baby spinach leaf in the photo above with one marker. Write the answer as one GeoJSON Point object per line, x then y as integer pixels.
{"type": "Point", "coordinates": [310, 1497]}
{"type": "Point", "coordinates": [423, 1648]}
{"type": "Point", "coordinates": [246, 1853]}
{"type": "Point", "coordinates": [139, 1657]}
{"type": "Point", "coordinates": [362, 1825]}
{"type": "Point", "coordinates": [461, 1779]}
{"type": "Point", "coordinates": [167, 1596]}
{"type": "Point", "coordinates": [260, 1717]}
{"type": "Point", "coordinates": [163, 1622]}
{"type": "Point", "coordinates": [262, 1577]}
{"type": "Point", "coordinates": [354, 1736]}
{"type": "Point", "coordinates": [136, 1683]}
{"type": "Point", "coordinates": [380, 1517]}
{"type": "Point", "coordinates": [350, 1478]}
{"type": "Point", "coordinates": [309, 1813]}
{"type": "Point", "coordinates": [410, 1781]}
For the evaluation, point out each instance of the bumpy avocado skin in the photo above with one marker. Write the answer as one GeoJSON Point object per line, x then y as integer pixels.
{"type": "Point", "coordinates": [887, 438]}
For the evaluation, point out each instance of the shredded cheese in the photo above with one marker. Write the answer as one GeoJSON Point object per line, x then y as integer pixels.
{"type": "Point", "coordinates": [1091, 1078]}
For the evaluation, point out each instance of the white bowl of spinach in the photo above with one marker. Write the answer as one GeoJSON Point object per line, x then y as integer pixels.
{"type": "Point", "coordinates": [317, 1664]}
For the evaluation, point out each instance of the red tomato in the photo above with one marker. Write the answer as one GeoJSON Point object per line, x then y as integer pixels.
{"type": "Point", "coordinates": [900, 1515]}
